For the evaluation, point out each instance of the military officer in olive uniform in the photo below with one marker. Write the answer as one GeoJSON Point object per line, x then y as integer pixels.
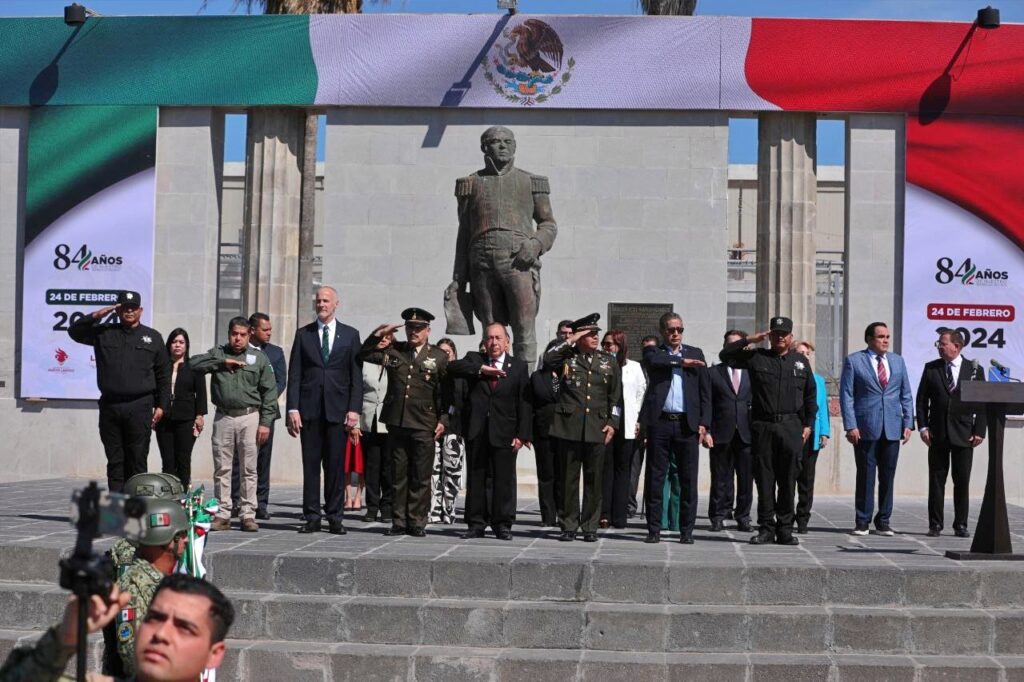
{"type": "Point", "coordinates": [783, 409]}
{"type": "Point", "coordinates": [133, 371]}
{"type": "Point", "coordinates": [498, 250]}
{"type": "Point", "coordinates": [586, 418]}
{"type": "Point", "coordinates": [414, 412]}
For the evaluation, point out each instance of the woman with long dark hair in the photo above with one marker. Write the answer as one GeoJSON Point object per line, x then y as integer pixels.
{"type": "Point", "coordinates": [619, 453]}
{"type": "Point", "coordinates": [176, 433]}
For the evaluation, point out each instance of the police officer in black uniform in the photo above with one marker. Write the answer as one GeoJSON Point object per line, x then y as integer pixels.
{"type": "Point", "coordinates": [414, 410]}
{"type": "Point", "coordinates": [782, 419]}
{"type": "Point", "coordinates": [133, 371]}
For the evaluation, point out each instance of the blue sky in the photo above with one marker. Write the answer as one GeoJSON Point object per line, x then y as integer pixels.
{"type": "Point", "coordinates": [743, 132]}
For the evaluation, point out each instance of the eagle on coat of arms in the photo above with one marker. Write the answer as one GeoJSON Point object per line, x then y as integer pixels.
{"type": "Point", "coordinates": [527, 66]}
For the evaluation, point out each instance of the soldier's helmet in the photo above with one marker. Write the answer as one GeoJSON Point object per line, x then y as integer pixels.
{"type": "Point", "coordinates": [164, 519]}
{"type": "Point", "coordinates": [151, 484]}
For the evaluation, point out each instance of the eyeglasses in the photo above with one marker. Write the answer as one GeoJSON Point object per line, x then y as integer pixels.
{"type": "Point", "coordinates": [674, 330]}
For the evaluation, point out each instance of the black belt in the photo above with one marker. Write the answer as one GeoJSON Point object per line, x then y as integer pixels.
{"type": "Point", "coordinates": [672, 416]}
{"type": "Point", "coordinates": [776, 418]}
{"type": "Point", "coordinates": [238, 411]}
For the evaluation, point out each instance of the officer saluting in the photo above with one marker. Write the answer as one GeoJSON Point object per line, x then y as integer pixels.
{"type": "Point", "coordinates": [133, 372]}
{"type": "Point", "coordinates": [586, 417]}
{"type": "Point", "coordinates": [413, 411]}
{"type": "Point", "coordinates": [782, 418]}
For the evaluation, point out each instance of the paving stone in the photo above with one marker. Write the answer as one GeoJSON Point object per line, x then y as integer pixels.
{"type": "Point", "coordinates": [625, 628]}
{"type": "Point", "coordinates": [471, 578]}
{"type": "Point", "coordinates": [298, 574]}
{"type": "Point", "coordinates": [698, 585]}
{"type": "Point", "coordinates": [877, 630]}
{"type": "Point", "coordinates": [250, 616]}
{"type": "Point", "coordinates": [544, 626]}
{"type": "Point", "coordinates": [941, 587]}
{"type": "Point", "coordinates": [1009, 633]}
{"type": "Point", "coordinates": [287, 664]}
{"type": "Point", "coordinates": [240, 570]}
{"type": "Point", "coordinates": [861, 668]}
{"type": "Point", "coordinates": [1002, 588]}
{"type": "Point", "coordinates": [767, 668]}
{"type": "Point", "coordinates": [865, 586]}
{"type": "Point", "coordinates": [711, 629]}
{"type": "Point", "coordinates": [30, 606]}
{"type": "Point", "coordinates": [363, 663]}
{"type": "Point", "coordinates": [550, 580]}
{"type": "Point", "coordinates": [537, 666]}
{"type": "Point", "coordinates": [950, 633]}
{"type": "Point", "coordinates": [30, 564]}
{"type": "Point", "coordinates": [961, 669]}
{"type": "Point", "coordinates": [706, 668]}
{"type": "Point", "coordinates": [785, 585]}
{"type": "Point", "coordinates": [462, 623]}
{"type": "Point", "coordinates": [601, 666]}
{"type": "Point", "coordinates": [295, 618]}
{"type": "Point", "coordinates": [453, 666]}
{"type": "Point", "coordinates": [367, 622]}
{"type": "Point", "coordinates": [795, 629]}
{"type": "Point", "coordinates": [629, 582]}
{"type": "Point", "coordinates": [392, 577]}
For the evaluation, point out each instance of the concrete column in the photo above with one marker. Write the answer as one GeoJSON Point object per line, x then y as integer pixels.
{"type": "Point", "coordinates": [273, 200]}
{"type": "Point", "coordinates": [189, 168]}
{"type": "Point", "coordinates": [786, 217]}
{"type": "Point", "coordinates": [13, 144]}
{"type": "Point", "coordinates": [875, 184]}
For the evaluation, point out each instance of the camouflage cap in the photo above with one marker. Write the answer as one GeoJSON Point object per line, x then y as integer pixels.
{"type": "Point", "coordinates": [152, 484]}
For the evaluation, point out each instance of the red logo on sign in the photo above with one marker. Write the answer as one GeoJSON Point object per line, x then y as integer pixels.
{"type": "Point", "coordinates": [971, 312]}
{"type": "Point", "coordinates": [61, 356]}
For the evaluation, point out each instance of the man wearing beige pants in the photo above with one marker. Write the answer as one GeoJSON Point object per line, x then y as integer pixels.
{"type": "Point", "coordinates": [245, 393]}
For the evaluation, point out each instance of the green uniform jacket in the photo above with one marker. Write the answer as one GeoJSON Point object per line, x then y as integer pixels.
{"type": "Point", "coordinates": [251, 386]}
{"type": "Point", "coordinates": [590, 394]}
{"type": "Point", "coordinates": [414, 399]}
{"type": "Point", "coordinates": [140, 580]}
{"type": "Point", "coordinates": [43, 662]}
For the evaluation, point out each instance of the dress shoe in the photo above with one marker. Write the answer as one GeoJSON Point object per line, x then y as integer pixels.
{"type": "Point", "coordinates": [686, 539]}
{"type": "Point", "coordinates": [603, 523]}
{"type": "Point", "coordinates": [716, 526]}
{"type": "Point", "coordinates": [653, 538]}
{"type": "Point", "coordinates": [567, 536]}
{"type": "Point", "coordinates": [762, 538]}
{"type": "Point", "coordinates": [262, 515]}
{"type": "Point", "coordinates": [371, 516]}
{"type": "Point", "coordinates": [336, 528]}
{"type": "Point", "coordinates": [250, 525]}
{"type": "Point", "coordinates": [473, 534]}
{"type": "Point", "coordinates": [934, 532]}
{"type": "Point", "coordinates": [786, 540]}
{"type": "Point", "coordinates": [590, 537]}
{"type": "Point", "coordinates": [394, 530]}
{"type": "Point", "coordinates": [386, 518]}
{"type": "Point", "coordinates": [418, 532]}
{"type": "Point", "coordinates": [744, 526]}
{"type": "Point", "coordinates": [861, 529]}
{"type": "Point", "coordinates": [221, 524]}
{"type": "Point", "coordinates": [310, 527]}
{"type": "Point", "coordinates": [503, 534]}
{"type": "Point", "coordinates": [801, 528]}
{"type": "Point", "coordinates": [961, 533]}
{"type": "Point", "coordinates": [885, 531]}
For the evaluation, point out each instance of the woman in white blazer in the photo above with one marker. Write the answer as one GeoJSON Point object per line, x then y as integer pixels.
{"type": "Point", "coordinates": [619, 453]}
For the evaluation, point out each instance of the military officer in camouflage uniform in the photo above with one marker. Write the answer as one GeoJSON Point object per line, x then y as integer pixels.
{"type": "Point", "coordinates": [414, 412]}
{"type": "Point", "coordinates": [585, 420]}
{"type": "Point", "coordinates": [498, 250]}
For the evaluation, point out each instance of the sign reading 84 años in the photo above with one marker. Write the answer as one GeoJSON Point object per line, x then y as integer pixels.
{"type": "Point", "coordinates": [959, 272]}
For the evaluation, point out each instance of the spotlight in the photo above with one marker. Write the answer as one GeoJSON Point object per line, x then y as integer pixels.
{"type": "Point", "coordinates": [988, 17]}
{"type": "Point", "coordinates": [75, 14]}
{"type": "Point", "coordinates": [509, 5]}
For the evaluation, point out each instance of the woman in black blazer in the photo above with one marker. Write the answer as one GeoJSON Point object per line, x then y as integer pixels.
{"type": "Point", "coordinates": [176, 433]}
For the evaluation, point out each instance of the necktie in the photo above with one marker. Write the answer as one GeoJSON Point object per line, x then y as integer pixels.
{"type": "Point", "coordinates": [494, 380]}
{"type": "Point", "coordinates": [883, 377]}
{"type": "Point", "coordinates": [735, 380]}
{"type": "Point", "coordinates": [950, 381]}
{"type": "Point", "coordinates": [325, 345]}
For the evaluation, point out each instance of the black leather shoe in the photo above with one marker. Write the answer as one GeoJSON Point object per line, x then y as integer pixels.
{"type": "Point", "coordinates": [786, 540]}
{"type": "Point", "coordinates": [370, 516]}
{"type": "Point", "coordinates": [386, 519]}
{"type": "Point", "coordinates": [801, 528]}
{"type": "Point", "coordinates": [961, 533]}
{"type": "Point", "coordinates": [653, 538]}
{"type": "Point", "coordinates": [686, 539]}
{"type": "Point", "coordinates": [262, 515]}
{"type": "Point", "coordinates": [336, 527]}
{"type": "Point", "coordinates": [716, 525]}
{"type": "Point", "coordinates": [310, 527]}
{"type": "Point", "coordinates": [590, 537]}
{"type": "Point", "coordinates": [934, 532]}
{"type": "Point", "coordinates": [503, 534]}
{"type": "Point", "coordinates": [418, 532]}
{"type": "Point", "coordinates": [473, 534]}
{"type": "Point", "coordinates": [394, 530]}
{"type": "Point", "coordinates": [762, 539]}
{"type": "Point", "coordinates": [567, 536]}
{"type": "Point", "coordinates": [744, 526]}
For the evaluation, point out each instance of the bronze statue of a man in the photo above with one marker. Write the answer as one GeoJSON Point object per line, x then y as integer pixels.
{"type": "Point", "coordinates": [498, 249]}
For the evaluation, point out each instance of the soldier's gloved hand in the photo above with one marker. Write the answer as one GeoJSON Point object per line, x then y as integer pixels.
{"type": "Point", "coordinates": [527, 255]}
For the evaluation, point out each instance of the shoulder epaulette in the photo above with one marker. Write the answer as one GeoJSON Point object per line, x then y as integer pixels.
{"type": "Point", "coordinates": [539, 184]}
{"type": "Point", "coordinates": [464, 186]}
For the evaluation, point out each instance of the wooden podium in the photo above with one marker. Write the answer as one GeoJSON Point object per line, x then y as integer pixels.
{"type": "Point", "coordinates": [992, 535]}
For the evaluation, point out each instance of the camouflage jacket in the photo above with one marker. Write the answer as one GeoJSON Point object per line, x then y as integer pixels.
{"type": "Point", "coordinates": [140, 580]}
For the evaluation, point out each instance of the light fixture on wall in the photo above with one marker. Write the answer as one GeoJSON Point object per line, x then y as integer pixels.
{"type": "Point", "coordinates": [988, 17]}
{"type": "Point", "coordinates": [510, 5]}
{"type": "Point", "coordinates": [75, 14]}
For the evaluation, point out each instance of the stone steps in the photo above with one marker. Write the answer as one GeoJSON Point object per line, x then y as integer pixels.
{"type": "Point", "coordinates": [595, 626]}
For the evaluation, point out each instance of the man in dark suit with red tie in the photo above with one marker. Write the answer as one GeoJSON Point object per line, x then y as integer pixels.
{"type": "Point", "coordinates": [325, 395]}
{"type": "Point", "coordinates": [498, 423]}
{"type": "Point", "coordinates": [950, 431]}
{"type": "Point", "coordinates": [728, 438]}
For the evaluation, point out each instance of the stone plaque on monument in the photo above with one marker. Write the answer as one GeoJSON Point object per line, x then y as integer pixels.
{"type": "Point", "coordinates": [637, 320]}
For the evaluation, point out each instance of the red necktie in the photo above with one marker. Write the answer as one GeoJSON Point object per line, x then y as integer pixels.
{"type": "Point", "coordinates": [494, 380]}
{"type": "Point", "coordinates": [883, 377]}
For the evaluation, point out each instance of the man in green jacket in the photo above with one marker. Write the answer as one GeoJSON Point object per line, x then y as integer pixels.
{"type": "Point", "coordinates": [245, 393]}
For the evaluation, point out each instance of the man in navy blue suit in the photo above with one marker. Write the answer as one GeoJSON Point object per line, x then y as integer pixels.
{"type": "Point", "coordinates": [325, 396]}
{"type": "Point", "coordinates": [260, 330]}
{"type": "Point", "coordinates": [676, 410]}
{"type": "Point", "coordinates": [878, 415]}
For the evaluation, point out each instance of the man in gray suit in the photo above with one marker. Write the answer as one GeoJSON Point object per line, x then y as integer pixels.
{"type": "Point", "coordinates": [878, 415]}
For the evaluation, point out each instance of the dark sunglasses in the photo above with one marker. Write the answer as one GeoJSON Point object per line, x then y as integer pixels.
{"type": "Point", "coordinates": [674, 330]}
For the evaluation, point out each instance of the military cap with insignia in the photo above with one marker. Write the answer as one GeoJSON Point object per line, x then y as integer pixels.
{"type": "Point", "coordinates": [781, 324]}
{"type": "Point", "coordinates": [129, 299]}
{"type": "Point", "coordinates": [416, 317]}
{"type": "Point", "coordinates": [588, 322]}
